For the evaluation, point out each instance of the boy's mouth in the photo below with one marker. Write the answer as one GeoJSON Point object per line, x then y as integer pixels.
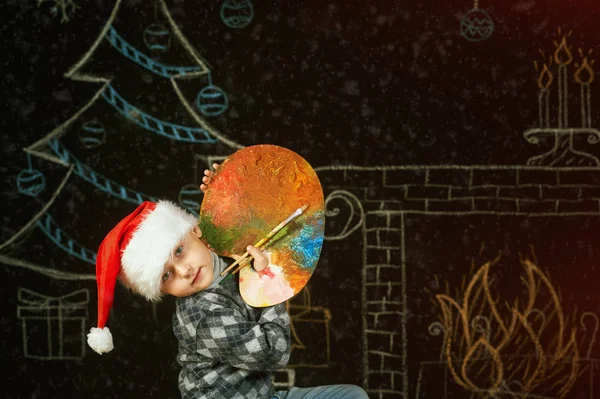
{"type": "Point", "coordinates": [196, 277]}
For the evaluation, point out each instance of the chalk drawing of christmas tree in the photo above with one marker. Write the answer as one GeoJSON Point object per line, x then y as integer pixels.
{"type": "Point", "coordinates": [152, 97]}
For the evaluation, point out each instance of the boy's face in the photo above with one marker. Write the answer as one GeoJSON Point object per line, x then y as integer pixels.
{"type": "Point", "coordinates": [190, 268]}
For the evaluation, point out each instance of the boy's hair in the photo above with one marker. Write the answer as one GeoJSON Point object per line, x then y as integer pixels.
{"type": "Point", "coordinates": [135, 251]}
{"type": "Point", "coordinates": [151, 246]}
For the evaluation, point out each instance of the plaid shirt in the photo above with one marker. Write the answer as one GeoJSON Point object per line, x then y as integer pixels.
{"type": "Point", "coordinates": [227, 348]}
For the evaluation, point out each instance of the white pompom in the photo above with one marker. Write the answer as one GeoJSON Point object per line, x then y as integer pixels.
{"type": "Point", "coordinates": [100, 340]}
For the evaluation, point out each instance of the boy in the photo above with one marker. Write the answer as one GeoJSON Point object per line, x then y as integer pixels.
{"type": "Point", "coordinates": [227, 349]}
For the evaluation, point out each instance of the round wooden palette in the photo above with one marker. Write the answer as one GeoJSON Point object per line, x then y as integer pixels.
{"type": "Point", "coordinates": [252, 192]}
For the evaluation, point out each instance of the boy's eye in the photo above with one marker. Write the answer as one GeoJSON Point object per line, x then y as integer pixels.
{"type": "Point", "coordinates": [165, 276]}
{"type": "Point", "coordinates": [179, 250]}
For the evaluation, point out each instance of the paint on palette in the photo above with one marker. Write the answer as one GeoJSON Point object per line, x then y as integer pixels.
{"type": "Point", "coordinates": [252, 192]}
{"type": "Point", "coordinates": [306, 247]}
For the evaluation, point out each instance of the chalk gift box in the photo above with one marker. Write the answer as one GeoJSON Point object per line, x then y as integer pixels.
{"type": "Point", "coordinates": [53, 327]}
{"type": "Point", "coordinates": [283, 379]}
{"type": "Point", "coordinates": [310, 332]}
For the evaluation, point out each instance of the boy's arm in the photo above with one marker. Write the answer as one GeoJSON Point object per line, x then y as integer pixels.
{"type": "Point", "coordinates": [224, 334]}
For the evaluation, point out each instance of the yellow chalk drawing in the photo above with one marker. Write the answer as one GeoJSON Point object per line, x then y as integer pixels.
{"type": "Point", "coordinates": [527, 343]}
{"type": "Point", "coordinates": [563, 153]}
{"type": "Point", "coordinates": [313, 322]}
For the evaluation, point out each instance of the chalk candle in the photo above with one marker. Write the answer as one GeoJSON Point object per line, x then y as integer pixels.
{"type": "Point", "coordinates": [584, 76]}
{"type": "Point", "coordinates": [544, 82]}
{"type": "Point", "coordinates": [563, 152]}
{"type": "Point", "coordinates": [562, 57]}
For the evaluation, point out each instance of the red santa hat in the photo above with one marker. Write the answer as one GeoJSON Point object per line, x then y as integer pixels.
{"type": "Point", "coordinates": [135, 251]}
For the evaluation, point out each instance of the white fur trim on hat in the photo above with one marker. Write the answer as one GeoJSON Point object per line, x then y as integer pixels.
{"type": "Point", "coordinates": [150, 248]}
{"type": "Point", "coordinates": [100, 340]}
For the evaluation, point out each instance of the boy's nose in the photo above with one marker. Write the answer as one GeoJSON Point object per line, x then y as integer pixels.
{"type": "Point", "coordinates": [184, 271]}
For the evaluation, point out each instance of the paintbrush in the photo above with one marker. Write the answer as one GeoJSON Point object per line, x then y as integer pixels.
{"type": "Point", "coordinates": [266, 238]}
{"type": "Point", "coordinates": [261, 244]}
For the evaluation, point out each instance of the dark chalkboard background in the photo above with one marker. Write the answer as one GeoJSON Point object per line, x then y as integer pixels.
{"type": "Point", "coordinates": [371, 84]}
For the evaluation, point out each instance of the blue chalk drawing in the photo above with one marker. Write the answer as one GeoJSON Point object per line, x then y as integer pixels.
{"type": "Point", "coordinates": [190, 198]}
{"type": "Point", "coordinates": [31, 182]}
{"type": "Point", "coordinates": [166, 71]}
{"type": "Point", "coordinates": [64, 242]}
{"type": "Point", "coordinates": [92, 134]}
{"type": "Point", "coordinates": [101, 182]}
{"type": "Point", "coordinates": [157, 37]}
{"type": "Point", "coordinates": [237, 14]}
{"type": "Point", "coordinates": [167, 129]}
{"type": "Point", "coordinates": [212, 101]}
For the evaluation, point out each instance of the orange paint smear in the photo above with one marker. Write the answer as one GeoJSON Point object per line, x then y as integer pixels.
{"type": "Point", "coordinates": [296, 275]}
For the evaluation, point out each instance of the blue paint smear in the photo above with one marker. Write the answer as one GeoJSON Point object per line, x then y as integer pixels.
{"type": "Point", "coordinates": [306, 247]}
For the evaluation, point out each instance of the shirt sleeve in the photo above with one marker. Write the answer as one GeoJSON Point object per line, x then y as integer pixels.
{"type": "Point", "coordinates": [225, 335]}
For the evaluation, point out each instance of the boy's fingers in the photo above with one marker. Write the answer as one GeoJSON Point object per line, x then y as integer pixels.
{"type": "Point", "coordinates": [260, 260]}
{"type": "Point", "coordinates": [208, 174]}
{"type": "Point", "coordinates": [255, 252]}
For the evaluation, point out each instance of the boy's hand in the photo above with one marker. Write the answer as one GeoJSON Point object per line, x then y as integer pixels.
{"type": "Point", "coordinates": [208, 174]}
{"type": "Point", "coordinates": [260, 260]}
